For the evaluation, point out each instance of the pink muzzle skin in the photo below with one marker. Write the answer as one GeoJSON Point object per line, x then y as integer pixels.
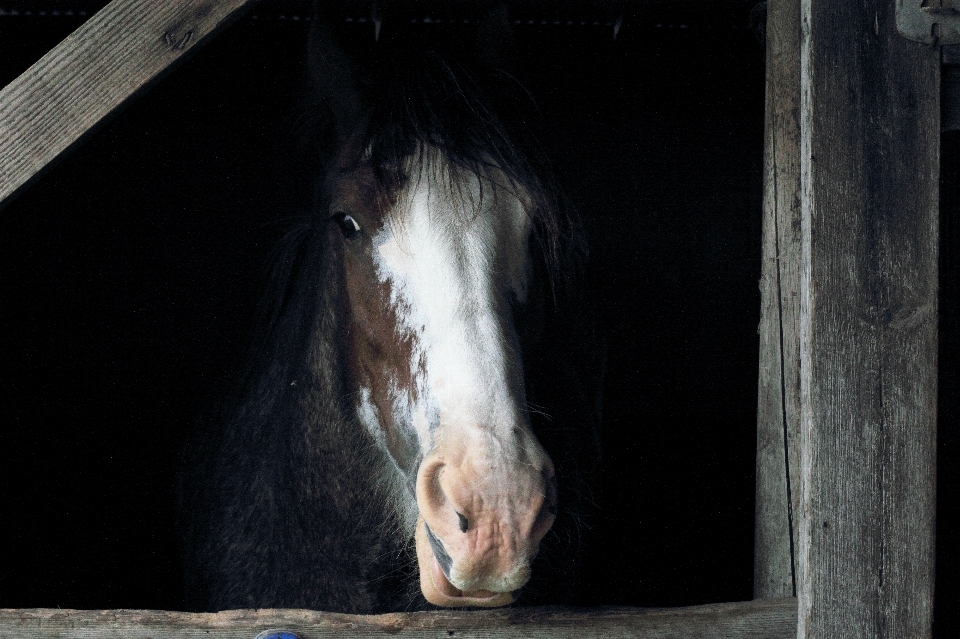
{"type": "Point", "coordinates": [438, 590]}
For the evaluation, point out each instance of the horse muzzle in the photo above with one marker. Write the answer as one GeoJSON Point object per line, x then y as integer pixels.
{"type": "Point", "coordinates": [480, 527]}
{"type": "Point", "coordinates": [438, 590]}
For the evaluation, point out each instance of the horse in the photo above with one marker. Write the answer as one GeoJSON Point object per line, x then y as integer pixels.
{"type": "Point", "coordinates": [418, 422]}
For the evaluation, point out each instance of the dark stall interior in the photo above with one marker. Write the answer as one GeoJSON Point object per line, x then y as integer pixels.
{"type": "Point", "coordinates": [131, 272]}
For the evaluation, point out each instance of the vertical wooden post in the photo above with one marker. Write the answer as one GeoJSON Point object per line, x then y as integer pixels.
{"type": "Point", "coordinates": [778, 410]}
{"type": "Point", "coordinates": [869, 164]}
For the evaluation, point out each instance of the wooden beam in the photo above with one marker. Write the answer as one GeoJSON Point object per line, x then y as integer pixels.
{"type": "Point", "coordinates": [116, 53]}
{"type": "Point", "coordinates": [768, 619]}
{"type": "Point", "coordinates": [869, 163]}
{"type": "Point", "coordinates": [778, 409]}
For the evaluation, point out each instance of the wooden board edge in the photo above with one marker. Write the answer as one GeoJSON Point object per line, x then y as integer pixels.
{"type": "Point", "coordinates": [764, 618]}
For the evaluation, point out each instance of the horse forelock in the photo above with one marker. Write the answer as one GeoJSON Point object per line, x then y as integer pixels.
{"type": "Point", "coordinates": [433, 104]}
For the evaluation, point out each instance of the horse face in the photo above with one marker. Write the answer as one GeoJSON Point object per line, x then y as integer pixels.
{"type": "Point", "coordinates": [431, 277]}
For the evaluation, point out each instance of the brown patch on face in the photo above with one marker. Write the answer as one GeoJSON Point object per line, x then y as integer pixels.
{"type": "Point", "coordinates": [378, 353]}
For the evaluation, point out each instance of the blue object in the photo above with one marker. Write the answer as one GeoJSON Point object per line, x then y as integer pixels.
{"type": "Point", "coordinates": [277, 634]}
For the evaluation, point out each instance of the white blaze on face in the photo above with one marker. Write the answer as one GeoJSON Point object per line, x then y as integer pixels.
{"type": "Point", "coordinates": [454, 256]}
{"type": "Point", "coordinates": [452, 253]}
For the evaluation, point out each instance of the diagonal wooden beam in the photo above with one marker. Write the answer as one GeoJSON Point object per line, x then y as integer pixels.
{"type": "Point", "coordinates": [115, 54]}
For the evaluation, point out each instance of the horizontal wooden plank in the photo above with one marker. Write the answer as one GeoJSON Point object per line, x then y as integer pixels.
{"type": "Point", "coordinates": [96, 68]}
{"type": "Point", "coordinates": [758, 619]}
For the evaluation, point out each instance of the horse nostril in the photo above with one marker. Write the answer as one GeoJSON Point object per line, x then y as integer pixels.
{"type": "Point", "coordinates": [463, 523]}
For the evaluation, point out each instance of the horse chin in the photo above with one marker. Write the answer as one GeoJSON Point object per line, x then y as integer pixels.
{"type": "Point", "coordinates": [439, 591]}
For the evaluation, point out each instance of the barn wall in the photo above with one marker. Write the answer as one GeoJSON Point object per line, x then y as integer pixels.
{"type": "Point", "coordinates": [131, 273]}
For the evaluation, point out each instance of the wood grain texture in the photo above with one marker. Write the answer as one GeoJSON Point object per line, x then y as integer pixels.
{"type": "Point", "coordinates": [869, 172]}
{"type": "Point", "coordinates": [778, 409]}
{"type": "Point", "coordinates": [115, 53]}
{"type": "Point", "coordinates": [768, 619]}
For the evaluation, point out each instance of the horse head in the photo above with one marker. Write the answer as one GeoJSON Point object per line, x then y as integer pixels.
{"type": "Point", "coordinates": [432, 211]}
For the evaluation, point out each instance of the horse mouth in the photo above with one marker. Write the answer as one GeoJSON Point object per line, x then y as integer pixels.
{"type": "Point", "coordinates": [438, 590]}
{"type": "Point", "coordinates": [441, 583]}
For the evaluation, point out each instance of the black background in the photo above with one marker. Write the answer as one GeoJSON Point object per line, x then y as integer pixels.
{"type": "Point", "coordinates": [132, 269]}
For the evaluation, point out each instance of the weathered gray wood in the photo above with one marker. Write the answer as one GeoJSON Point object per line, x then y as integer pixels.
{"type": "Point", "coordinates": [767, 619]}
{"type": "Point", "coordinates": [778, 410]}
{"type": "Point", "coordinates": [869, 123]}
{"type": "Point", "coordinates": [112, 55]}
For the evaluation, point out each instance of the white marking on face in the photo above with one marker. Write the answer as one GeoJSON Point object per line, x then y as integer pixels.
{"type": "Point", "coordinates": [454, 255]}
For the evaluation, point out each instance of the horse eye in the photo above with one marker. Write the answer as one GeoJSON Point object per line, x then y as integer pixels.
{"type": "Point", "coordinates": [348, 225]}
